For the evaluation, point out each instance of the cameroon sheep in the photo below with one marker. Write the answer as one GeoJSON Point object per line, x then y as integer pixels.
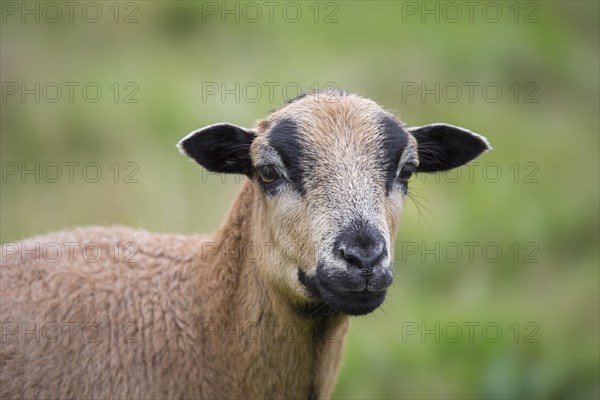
{"type": "Point", "coordinates": [260, 309]}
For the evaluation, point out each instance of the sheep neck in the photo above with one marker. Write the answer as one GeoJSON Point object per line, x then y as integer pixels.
{"type": "Point", "coordinates": [266, 335]}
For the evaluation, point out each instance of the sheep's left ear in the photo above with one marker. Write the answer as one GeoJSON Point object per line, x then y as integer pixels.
{"type": "Point", "coordinates": [442, 147]}
{"type": "Point", "coordinates": [220, 148]}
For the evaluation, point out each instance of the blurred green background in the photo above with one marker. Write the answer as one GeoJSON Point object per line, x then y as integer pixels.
{"type": "Point", "coordinates": [166, 68]}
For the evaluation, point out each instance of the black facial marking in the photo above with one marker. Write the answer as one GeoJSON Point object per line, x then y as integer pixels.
{"type": "Point", "coordinates": [285, 138]}
{"type": "Point", "coordinates": [395, 140]}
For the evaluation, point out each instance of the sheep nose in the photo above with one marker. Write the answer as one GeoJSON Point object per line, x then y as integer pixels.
{"type": "Point", "coordinates": [364, 257]}
{"type": "Point", "coordinates": [363, 260]}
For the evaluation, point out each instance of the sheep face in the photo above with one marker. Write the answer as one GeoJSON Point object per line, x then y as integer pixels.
{"type": "Point", "coordinates": [332, 170]}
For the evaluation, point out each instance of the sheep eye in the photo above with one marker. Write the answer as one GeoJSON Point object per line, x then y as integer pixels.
{"type": "Point", "coordinates": [406, 172]}
{"type": "Point", "coordinates": [268, 174]}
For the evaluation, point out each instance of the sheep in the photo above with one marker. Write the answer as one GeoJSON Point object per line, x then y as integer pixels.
{"type": "Point", "coordinates": [258, 310]}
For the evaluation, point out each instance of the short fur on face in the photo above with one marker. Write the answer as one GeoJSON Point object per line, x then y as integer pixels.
{"type": "Point", "coordinates": [342, 164]}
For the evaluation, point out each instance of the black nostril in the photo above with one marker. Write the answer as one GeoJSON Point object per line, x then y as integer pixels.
{"type": "Point", "coordinates": [363, 257]}
{"type": "Point", "coordinates": [351, 256]}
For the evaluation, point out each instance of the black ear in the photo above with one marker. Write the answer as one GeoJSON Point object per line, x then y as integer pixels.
{"type": "Point", "coordinates": [442, 147]}
{"type": "Point", "coordinates": [220, 148]}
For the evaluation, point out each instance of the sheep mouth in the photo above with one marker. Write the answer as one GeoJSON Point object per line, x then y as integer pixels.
{"type": "Point", "coordinates": [343, 300]}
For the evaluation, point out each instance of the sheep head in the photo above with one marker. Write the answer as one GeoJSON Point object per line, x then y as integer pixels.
{"type": "Point", "coordinates": [332, 171]}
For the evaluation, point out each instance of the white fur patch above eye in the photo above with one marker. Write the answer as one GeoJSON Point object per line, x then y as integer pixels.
{"type": "Point", "coordinates": [266, 155]}
{"type": "Point", "coordinates": [409, 155]}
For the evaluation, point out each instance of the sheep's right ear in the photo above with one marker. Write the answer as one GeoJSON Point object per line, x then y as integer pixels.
{"type": "Point", "coordinates": [220, 148]}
